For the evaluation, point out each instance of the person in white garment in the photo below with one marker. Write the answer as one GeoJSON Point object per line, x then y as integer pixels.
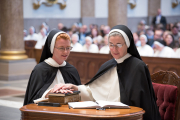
{"type": "Point", "coordinates": [89, 46]}
{"type": "Point", "coordinates": [105, 48]}
{"type": "Point", "coordinates": [42, 39]}
{"type": "Point", "coordinates": [163, 51]}
{"type": "Point", "coordinates": [32, 35]}
{"type": "Point", "coordinates": [52, 68]}
{"type": "Point", "coordinates": [77, 47]}
{"type": "Point", "coordinates": [177, 53]}
{"type": "Point", "coordinates": [145, 49]}
{"type": "Point", "coordinates": [125, 78]}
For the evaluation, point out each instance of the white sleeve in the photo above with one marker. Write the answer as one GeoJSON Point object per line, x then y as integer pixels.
{"type": "Point", "coordinates": [85, 93]}
{"type": "Point", "coordinates": [43, 97]}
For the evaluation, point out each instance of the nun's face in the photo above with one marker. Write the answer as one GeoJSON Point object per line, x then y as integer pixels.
{"type": "Point", "coordinates": [143, 41]}
{"type": "Point", "coordinates": [61, 50]}
{"type": "Point", "coordinates": [117, 52]}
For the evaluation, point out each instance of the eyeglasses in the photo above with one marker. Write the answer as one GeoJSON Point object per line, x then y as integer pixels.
{"type": "Point", "coordinates": [63, 49]}
{"type": "Point", "coordinates": [117, 45]}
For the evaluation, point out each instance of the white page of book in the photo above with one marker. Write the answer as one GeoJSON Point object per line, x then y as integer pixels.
{"type": "Point", "coordinates": [86, 104]}
{"type": "Point", "coordinates": [104, 103]}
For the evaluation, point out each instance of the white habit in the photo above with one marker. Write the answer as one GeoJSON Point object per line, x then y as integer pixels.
{"type": "Point", "coordinates": [165, 52]}
{"type": "Point", "coordinates": [145, 50]}
{"type": "Point", "coordinates": [104, 50]}
{"type": "Point", "coordinates": [105, 87]}
{"type": "Point", "coordinates": [58, 79]}
{"type": "Point", "coordinates": [77, 47]}
{"type": "Point", "coordinates": [92, 49]}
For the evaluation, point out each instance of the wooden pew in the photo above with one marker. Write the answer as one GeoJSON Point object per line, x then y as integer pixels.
{"type": "Point", "coordinates": [88, 64]}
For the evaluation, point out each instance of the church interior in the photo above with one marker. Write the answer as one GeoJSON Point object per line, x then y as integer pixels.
{"type": "Point", "coordinates": [25, 25]}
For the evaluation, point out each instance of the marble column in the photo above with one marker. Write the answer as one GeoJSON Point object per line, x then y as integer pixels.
{"type": "Point", "coordinates": [153, 6]}
{"type": "Point", "coordinates": [117, 12]}
{"type": "Point", "coordinates": [13, 60]}
{"type": "Point", "coordinates": [11, 29]}
{"type": "Point", "coordinates": [87, 11]}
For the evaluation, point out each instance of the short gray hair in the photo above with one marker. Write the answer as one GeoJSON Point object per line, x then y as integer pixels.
{"type": "Point", "coordinates": [76, 35]}
{"type": "Point", "coordinates": [115, 34]}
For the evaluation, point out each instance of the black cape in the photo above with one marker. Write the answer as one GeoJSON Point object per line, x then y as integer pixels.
{"type": "Point", "coordinates": [42, 77]}
{"type": "Point", "coordinates": [135, 85]}
{"type": "Point", "coordinates": [134, 80]}
{"type": "Point", "coordinates": [43, 74]}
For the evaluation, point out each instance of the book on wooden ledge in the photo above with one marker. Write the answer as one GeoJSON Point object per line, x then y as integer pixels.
{"type": "Point", "coordinates": [97, 104]}
{"type": "Point", "coordinates": [64, 98]}
{"type": "Point", "coordinates": [64, 94]}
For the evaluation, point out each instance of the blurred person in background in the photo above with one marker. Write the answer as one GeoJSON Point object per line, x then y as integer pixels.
{"type": "Point", "coordinates": [144, 49]}
{"type": "Point", "coordinates": [106, 30]}
{"type": "Point", "coordinates": [91, 26]}
{"type": "Point", "coordinates": [82, 34]}
{"type": "Point", "coordinates": [25, 34]}
{"type": "Point", "coordinates": [158, 36]}
{"type": "Point", "coordinates": [150, 36]}
{"type": "Point", "coordinates": [101, 30]}
{"type": "Point", "coordinates": [77, 47]}
{"type": "Point", "coordinates": [136, 40]}
{"type": "Point", "coordinates": [32, 35]}
{"type": "Point", "coordinates": [60, 26]}
{"type": "Point", "coordinates": [177, 53]}
{"type": "Point", "coordinates": [42, 39]}
{"type": "Point", "coordinates": [105, 49]}
{"type": "Point", "coordinates": [165, 33]}
{"type": "Point", "coordinates": [175, 33]}
{"type": "Point", "coordinates": [141, 27]}
{"type": "Point", "coordinates": [89, 47]}
{"type": "Point", "coordinates": [163, 51]}
{"type": "Point", "coordinates": [169, 40]}
{"type": "Point", "coordinates": [159, 19]}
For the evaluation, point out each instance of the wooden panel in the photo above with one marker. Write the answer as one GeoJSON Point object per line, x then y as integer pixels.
{"type": "Point", "coordinates": [167, 64]}
{"type": "Point", "coordinates": [88, 64]}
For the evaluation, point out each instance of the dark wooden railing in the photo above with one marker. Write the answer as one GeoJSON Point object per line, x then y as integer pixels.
{"type": "Point", "coordinates": [88, 64]}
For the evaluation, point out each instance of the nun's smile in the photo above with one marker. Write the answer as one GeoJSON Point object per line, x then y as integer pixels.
{"type": "Point", "coordinates": [119, 48]}
{"type": "Point", "coordinates": [61, 50]}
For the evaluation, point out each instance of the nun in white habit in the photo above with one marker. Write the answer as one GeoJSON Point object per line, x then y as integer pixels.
{"type": "Point", "coordinates": [77, 47]}
{"type": "Point", "coordinates": [145, 49]}
{"type": "Point", "coordinates": [52, 68]}
{"type": "Point", "coordinates": [89, 46]}
{"type": "Point", "coordinates": [163, 51]}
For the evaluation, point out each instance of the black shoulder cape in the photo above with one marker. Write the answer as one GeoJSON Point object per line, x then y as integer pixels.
{"type": "Point", "coordinates": [135, 85]}
{"type": "Point", "coordinates": [42, 77]}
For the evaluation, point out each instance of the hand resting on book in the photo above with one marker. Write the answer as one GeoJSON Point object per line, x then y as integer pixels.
{"type": "Point", "coordinates": [64, 88]}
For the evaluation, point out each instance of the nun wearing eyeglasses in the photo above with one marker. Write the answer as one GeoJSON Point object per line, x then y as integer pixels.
{"type": "Point", "coordinates": [125, 78]}
{"type": "Point", "coordinates": [52, 68]}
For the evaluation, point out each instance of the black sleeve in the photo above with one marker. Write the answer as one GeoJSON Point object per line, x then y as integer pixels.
{"type": "Point", "coordinates": [40, 79]}
{"type": "Point", "coordinates": [153, 21]}
{"type": "Point", "coordinates": [70, 74]}
{"type": "Point", "coordinates": [34, 85]}
{"type": "Point", "coordinates": [142, 94]}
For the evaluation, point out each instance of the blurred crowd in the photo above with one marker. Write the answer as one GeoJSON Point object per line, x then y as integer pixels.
{"type": "Point", "coordinates": [158, 39]}
{"type": "Point", "coordinates": [154, 40]}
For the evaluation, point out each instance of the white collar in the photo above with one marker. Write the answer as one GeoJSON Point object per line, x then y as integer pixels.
{"type": "Point", "coordinates": [53, 63]}
{"type": "Point", "coordinates": [120, 60]}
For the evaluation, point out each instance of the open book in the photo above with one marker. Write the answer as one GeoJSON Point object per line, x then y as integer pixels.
{"type": "Point", "coordinates": [97, 104]}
